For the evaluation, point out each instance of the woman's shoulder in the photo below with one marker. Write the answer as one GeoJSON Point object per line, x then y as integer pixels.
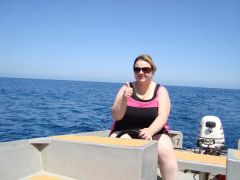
{"type": "Point", "coordinates": [162, 90]}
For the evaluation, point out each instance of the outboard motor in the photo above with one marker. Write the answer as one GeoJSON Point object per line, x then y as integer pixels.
{"type": "Point", "coordinates": [211, 141]}
{"type": "Point", "coordinates": [211, 136]}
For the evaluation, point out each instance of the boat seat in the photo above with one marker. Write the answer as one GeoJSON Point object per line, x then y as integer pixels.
{"type": "Point", "coordinates": [188, 160]}
{"type": "Point", "coordinates": [176, 136]}
{"type": "Point", "coordinates": [93, 157]}
{"type": "Point", "coordinates": [43, 175]}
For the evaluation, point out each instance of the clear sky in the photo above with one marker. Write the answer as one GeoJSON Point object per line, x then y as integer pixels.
{"type": "Point", "coordinates": [193, 42]}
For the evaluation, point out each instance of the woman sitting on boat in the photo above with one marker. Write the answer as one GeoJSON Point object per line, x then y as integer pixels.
{"type": "Point", "coordinates": [145, 106]}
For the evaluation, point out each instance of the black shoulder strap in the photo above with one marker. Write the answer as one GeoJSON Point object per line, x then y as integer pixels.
{"type": "Point", "coordinates": [156, 90]}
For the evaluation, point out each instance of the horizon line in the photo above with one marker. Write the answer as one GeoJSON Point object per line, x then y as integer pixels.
{"type": "Point", "coordinates": [117, 82]}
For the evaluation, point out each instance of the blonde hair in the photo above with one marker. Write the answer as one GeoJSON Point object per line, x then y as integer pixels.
{"type": "Point", "coordinates": [148, 59]}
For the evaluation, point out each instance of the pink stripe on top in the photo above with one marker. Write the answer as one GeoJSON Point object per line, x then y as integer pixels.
{"type": "Point", "coordinates": [148, 104]}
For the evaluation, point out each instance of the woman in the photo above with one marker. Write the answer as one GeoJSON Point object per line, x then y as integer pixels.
{"type": "Point", "coordinates": [145, 105]}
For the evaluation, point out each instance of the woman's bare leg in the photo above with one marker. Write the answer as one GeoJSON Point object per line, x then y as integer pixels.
{"type": "Point", "coordinates": [167, 159]}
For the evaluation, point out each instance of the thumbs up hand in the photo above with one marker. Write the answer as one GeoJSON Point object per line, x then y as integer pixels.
{"type": "Point", "coordinates": [128, 91]}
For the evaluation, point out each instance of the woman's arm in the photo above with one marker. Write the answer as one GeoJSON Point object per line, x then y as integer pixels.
{"type": "Point", "coordinates": [163, 113]}
{"type": "Point", "coordinates": [120, 104]}
{"type": "Point", "coordinates": [164, 106]}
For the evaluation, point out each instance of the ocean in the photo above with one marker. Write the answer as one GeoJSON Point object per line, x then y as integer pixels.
{"type": "Point", "coordinates": [31, 108]}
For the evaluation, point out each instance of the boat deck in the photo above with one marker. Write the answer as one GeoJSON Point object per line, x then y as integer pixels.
{"type": "Point", "coordinates": [93, 156]}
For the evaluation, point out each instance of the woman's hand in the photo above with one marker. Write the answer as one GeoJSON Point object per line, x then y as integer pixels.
{"type": "Point", "coordinates": [128, 91]}
{"type": "Point", "coordinates": [146, 133]}
{"type": "Point", "coordinates": [120, 104]}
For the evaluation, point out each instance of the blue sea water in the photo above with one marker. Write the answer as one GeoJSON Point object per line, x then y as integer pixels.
{"type": "Point", "coordinates": [31, 108]}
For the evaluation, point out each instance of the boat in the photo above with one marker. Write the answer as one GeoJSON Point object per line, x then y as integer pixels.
{"type": "Point", "coordinates": [95, 156]}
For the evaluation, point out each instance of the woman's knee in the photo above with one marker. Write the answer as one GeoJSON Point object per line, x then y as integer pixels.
{"type": "Point", "coordinates": [167, 155]}
{"type": "Point", "coordinates": [165, 147]}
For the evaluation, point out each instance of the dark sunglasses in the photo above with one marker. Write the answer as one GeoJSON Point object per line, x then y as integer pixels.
{"type": "Point", "coordinates": [144, 70]}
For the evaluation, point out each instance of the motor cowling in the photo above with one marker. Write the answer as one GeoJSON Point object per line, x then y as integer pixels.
{"type": "Point", "coordinates": [211, 133]}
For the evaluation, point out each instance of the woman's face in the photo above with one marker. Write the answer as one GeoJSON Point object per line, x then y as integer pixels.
{"type": "Point", "coordinates": [143, 71]}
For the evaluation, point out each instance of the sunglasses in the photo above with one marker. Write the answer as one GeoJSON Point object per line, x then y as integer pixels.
{"type": "Point", "coordinates": [146, 70]}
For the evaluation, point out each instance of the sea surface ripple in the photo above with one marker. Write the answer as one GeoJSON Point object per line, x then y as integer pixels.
{"type": "Point", "coordinates": [31, 108]}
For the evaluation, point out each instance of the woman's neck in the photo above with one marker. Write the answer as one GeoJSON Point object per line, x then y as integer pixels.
{"type": "Point", "coordinates": [142, 88]}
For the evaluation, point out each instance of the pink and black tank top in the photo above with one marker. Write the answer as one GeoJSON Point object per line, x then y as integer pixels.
{"type": "Point", "coordinates": [139, 113]}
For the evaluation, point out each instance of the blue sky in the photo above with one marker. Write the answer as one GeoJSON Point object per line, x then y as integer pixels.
{"type": "Point", "coordinates": [193, 43]}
